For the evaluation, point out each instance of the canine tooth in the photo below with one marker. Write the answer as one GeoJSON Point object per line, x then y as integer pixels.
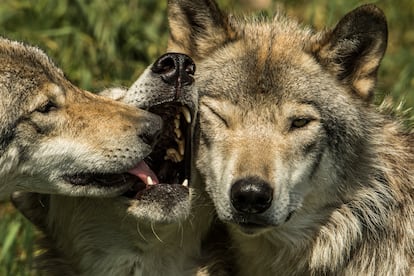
{"type": "Point", "coordinates": [178, 132]}
{"type": "Point", "coordinates": [185, 183]}
{"type": "Point", "coordinates": [186, 113]}
{"type": "Point", "coordinates": [177, 123]}
{"type": "Point", "coordinates": [149, 180]}
{"type": "Point", "coordinates": [181, 146]}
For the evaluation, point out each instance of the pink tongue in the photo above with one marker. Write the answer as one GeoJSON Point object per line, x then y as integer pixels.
{"type": "Point", "coordinates": [143, 171]}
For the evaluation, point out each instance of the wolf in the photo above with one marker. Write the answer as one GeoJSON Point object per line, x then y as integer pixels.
{"type": "Point", "coordinates": [150, 229]}
{"type": "Point", "coordinates": [309, 176]}
{"type": "Point", "coordinates": [59, 139]}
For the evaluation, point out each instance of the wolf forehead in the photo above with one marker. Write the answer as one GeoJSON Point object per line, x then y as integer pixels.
{"type": "Point", "coordinates": [282, 60]}
{"type": "Point", "coordinates": [271, 53]}
{"type": "Point", "coordinates": [24, 69]}
{"type": "Point", "coordinates": [26, 66]}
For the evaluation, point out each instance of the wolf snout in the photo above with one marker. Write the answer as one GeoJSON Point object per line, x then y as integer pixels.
{"type": "Point", "coordinates": [175, 69]}
{"type": "Point", "coordinates": [251, 195]}
{"type": "Point", "coordinates": [150, 129]}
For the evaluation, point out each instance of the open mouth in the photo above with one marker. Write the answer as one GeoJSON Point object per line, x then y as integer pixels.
{"type": "Point", "coordinates": [170, 161]}
{"type": "Point", "coordinates": [100, 180]}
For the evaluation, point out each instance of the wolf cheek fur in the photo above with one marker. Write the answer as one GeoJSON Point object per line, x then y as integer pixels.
{"type": "Point", "coordinates": [287, 109]}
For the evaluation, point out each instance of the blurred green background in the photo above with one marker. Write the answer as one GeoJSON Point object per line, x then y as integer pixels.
{"type": "Point", "coordinates": [101, 44]}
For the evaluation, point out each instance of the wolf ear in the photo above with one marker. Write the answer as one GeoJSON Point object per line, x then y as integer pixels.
{"type": "Point", "coordinates": [353, 50]}
{"type": "Point", "coordinates": [197, 27]}
{"type": "Point", "coordinates": [33, 206]}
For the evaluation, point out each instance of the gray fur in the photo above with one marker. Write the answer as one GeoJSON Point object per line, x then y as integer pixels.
{"type": "Point", "coordinates": [342, 182]}
{"type": "Point", "coordinates": [156, 234]}
{"type": "Point", "coordinates": [50, 129]}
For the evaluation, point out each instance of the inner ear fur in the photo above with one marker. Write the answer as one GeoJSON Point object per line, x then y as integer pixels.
{"type": "Point", "coordinates": [353, 50]}
{"type": "Point", "coordinates": [197, 27]}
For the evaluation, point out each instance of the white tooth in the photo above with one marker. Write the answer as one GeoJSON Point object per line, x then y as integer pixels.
{"type": "Point", "coordinates": [186, 113]}
{"type": "Point", "coordinates": [185, 183]}
{"type": "Point", "coordinates": [181, 146]}
{"type": "Point", "coordinates": [177, 123]}
{"type": "Point", "coordinates": [178, 132]}
{"type": "Point", "coordinates": [149, 180]}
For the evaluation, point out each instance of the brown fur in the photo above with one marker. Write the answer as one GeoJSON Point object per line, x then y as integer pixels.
{"type": "Point", "coordinates": [51, 130]}
{"type": "Point", "coordinates": [290, 108]}
{"type": "Point", "coordinates": [150, 230]}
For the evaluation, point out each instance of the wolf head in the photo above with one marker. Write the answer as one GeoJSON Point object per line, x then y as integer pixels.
{"type": "Point", "coordinates": [283, 117]}
{"type": "Point", "coordinates": [57, 138]}
{"type": "Point", "coordinates": [165, 88]}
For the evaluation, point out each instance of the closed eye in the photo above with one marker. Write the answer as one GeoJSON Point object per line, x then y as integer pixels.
{"type": "Point", "coordinates": [47, 107]}
{"type": "Point", "coordinates": [220, 117]}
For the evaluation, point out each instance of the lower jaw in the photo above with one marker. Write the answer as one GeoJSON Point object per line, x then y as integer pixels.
{"type": "Point", "coordinates": [157, 191]}
{"type": "Point", "coordinates": [252, 229]}
{"type": "Point", "coordinates": [248, 228]}
{"type": "Point", "coordinates": [96, 190]}
{"type": "Point", "coordinates": [163, 203]}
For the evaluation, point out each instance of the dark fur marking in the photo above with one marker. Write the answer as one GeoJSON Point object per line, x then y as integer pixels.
{"type": "Point", "coordinates": [316, 163]}
{"type": "Point", "coordinates": [6, 138]}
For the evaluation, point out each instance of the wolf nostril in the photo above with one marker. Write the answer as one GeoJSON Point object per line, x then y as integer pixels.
{"type": "Point", "coordinates": [251, 195]}
{"type": "Point", "coordinates": [175, 69]}
{"type": "Point", "coordinates": [189, 69]}
{"type": "Point", "coordinates": [147, 138]}
{"type": "Point", "coordinates": [150, 129]}
{"type": "Point", "coordinates": [165, 66]}
{"type": "Point", "coordinates": [150, 136]}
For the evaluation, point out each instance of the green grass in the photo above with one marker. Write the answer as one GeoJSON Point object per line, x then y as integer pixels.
{"type": "Point", "coordinates": [16, 243]}
{"type": "Point", "coordinates": [108, 43]}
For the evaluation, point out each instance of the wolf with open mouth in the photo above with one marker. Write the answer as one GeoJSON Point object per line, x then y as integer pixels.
{"type": "Point", "coordinates": [164, 89]}
{"type": "Point", "coordinates": [142, 231]}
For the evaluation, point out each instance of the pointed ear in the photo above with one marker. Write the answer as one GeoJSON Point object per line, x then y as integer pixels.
{"type": "Point", "coordinates": [353, 50]}
{"type": "Point", "coordinates": [197, 27]}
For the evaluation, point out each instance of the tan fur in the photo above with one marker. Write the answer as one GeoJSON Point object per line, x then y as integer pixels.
{"type": "Point", "coordinates": [153, 232]}
{"type": "Point", "coordinates": [50, 129]}
{"type": "Point", "coordinates": [341, 181]}
{"type": "Point", "coordinates": [87, 236]}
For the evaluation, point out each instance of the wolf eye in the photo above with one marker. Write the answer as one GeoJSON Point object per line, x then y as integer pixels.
{"type": "Point", "coordinates": [300, 122]}
{"type": "Point", "coordinates": [220, 117]}
{"type": "Point", "coordinates": [47, 107]}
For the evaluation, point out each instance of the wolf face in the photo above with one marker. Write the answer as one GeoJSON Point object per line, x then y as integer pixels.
{"type": "Point", "coordinates": [57, 138]}
{"type": "Point", "coordinates": [165, 89]}
{"type": "Point", "coordinates": [264, 159]}
{"type": "Point", "coordinates": [280, 108]}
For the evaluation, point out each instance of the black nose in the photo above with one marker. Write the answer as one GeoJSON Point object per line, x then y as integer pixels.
{"type": "Point", "coordinates": [251, 195]}
{"type": "Point", "coordinates": [149, 138]}
{"type": "Point", "coordinates": [150, 128]}
{"type": "Point", "coordinates": [175, 69]}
